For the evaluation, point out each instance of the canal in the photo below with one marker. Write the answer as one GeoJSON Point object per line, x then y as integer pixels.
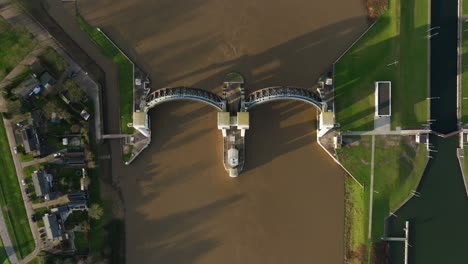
{"type": "Point", "coordinates": [438, 218]}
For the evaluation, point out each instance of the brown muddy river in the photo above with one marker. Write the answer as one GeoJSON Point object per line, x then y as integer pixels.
{"type": "Point", "coordinates": [181, 207]}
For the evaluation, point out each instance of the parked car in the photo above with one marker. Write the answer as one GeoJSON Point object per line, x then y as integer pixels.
{"type": "Point", "coordinates": [26, 190]}
{"type": "Point", "coordinates": [15, 150]}
{"type": "Point", "coordinates": [72, 74]}
{"type": "Point", "coordinates": [58, 154]}
{"type": "Point", "coordinates": [23, 182]}
{"type": "Point", "coordinates": [33, 218]}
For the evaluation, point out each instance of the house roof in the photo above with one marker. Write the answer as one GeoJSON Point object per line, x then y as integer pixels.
{"type": "Point", "coordinates": [52, 226]}
{"type": "Point", "coordinates": [77, 196]}
{"type": "Point", "coordinates": [383, 98]}
{"type": "Point", "coordinates": [42, 182]}
{"type": "Point", "coordinates": [46, 78]}
{"type": "Point", "coordinates": [30, 140]}
{"type": "Point", "coordinates": [36, 67]}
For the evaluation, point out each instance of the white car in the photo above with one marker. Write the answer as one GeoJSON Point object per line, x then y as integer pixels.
{"type": "Point", "coordinates": [15, 150]}
{"type": "Point", "coordinates": [23, 182]}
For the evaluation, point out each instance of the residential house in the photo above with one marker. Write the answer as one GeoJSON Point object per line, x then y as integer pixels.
{"type": "Point", "coordinates": [42, 183]}
{"type": "Point", "coordinates": [36, 68]}
{"type": "Point", "coordinates": [78, 201]}
{"type": "Point", "coordinates": [46, 80]}
{"type": "Point", "coordinates": [31, 142]}
{"type": "Point", "coordinates": [53, 226]}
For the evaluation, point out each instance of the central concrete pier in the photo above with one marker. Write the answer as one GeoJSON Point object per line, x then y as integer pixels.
{"type": "Point", "coordinates": [233, 124]}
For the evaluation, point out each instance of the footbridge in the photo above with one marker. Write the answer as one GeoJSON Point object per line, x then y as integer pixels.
{"type": "Point", "coordinates": [233, 111]}
{"type": "Point", "coordinates": [184, 93]}
{"type": "Point", "coordinates": [276, 93]}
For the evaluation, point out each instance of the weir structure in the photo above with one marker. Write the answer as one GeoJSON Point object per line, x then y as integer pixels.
{"type": "Point", "coordinates": [233, 112]}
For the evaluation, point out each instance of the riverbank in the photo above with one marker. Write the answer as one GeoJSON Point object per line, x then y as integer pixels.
{"type": "Point", "coordinates": [394, 49]}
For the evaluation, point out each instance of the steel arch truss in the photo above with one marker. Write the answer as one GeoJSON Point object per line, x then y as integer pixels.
{"type": "Point", "coordinates": [276, 93]}
{"type": "Point", "coordinates": [184, 93]}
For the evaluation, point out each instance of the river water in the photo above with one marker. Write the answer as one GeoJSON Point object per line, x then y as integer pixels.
{"type": "Point", "coordinates": [181, 207]}
{"type": "Point", "coordinates": [438, 219]}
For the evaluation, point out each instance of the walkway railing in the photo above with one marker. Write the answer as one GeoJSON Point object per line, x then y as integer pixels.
{"type": "Point", "coordinates": [184, 93]}
{"type": "Point", "coordinates": [283, 93]}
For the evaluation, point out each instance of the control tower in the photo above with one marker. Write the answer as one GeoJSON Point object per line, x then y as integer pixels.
{"type": "Point", "coordinates": [233, 123]}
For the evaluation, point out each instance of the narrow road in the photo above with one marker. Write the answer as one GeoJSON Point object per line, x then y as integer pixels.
{"type": "Point", "coordinates": [7, 245]}
{"type": "Point", "coordinates": [25, 164]}
{"type": "Point", "coordinates": [60, 200]}
{"type": "Point", "coordinates": [408, 132]}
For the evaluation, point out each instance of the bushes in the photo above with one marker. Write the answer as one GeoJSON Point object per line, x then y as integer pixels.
{"type": "Point", "coordinates": [54, 63]}
{"type": "Point", "coordinates": [375, 8]}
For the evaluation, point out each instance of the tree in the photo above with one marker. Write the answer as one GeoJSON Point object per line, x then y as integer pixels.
{"type": "Point", "coordinates": [95, 211]}
{"type": "Point", "coordinates": [14, 106]}
{"type": "Point", "coordinates": [74, 93]}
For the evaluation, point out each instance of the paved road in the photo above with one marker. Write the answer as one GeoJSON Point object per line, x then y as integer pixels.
{"type": "Point", "coordinates": [6, 241]}
{"type": "Point", "coordinates": [60, 200]}
{"type": "Point", "coordinates": [49, 158]}
{"type": "Point", "coordinates": [384, 133]}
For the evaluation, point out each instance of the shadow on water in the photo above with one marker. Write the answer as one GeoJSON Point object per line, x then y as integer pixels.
{"type": "Point", "coordinates": [438, 218]}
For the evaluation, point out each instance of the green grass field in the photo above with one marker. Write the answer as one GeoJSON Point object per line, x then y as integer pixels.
{"type": "Point", "coordinates": [11, 201]}
{"type": "Point", "coordinates": [398, 165]}
{"type": "Point", "coordinates": [25, 157]}
{"type": "Point", "coordinates": [465, 163]}
{"type": "Point", "coordinates": [464, 76]}
{"type": "Point", "coordinates": [81, 243]}
{"type": "Point", "coordinates": [398, 36]}
{"type": "Point", "coordinates": [125, 68]}
{"type": "Point", "coordinates": [15, 44]}
{"type": "Point", "coordinates": [3, 256]}
{"type": "Point", "coordinates": [465, 7]}
{"type": "Point", "coordinates": [357, 160]}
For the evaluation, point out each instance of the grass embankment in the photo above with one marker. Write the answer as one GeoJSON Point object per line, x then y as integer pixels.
{"type": "Point", "coordinates": [357, 158]}
{"type": "Point", "coordinates": [394, 49]}
{"type": "Point", "coordinates": [125, 72]}
{"type": "Point", "coordinates": [465, 7]}
{"type": "Point", "coordinates": [11, 201]}
{"type": "Point", "coordinates": [464, 67]}
{"type": "Point", "coordinates": [15, 44]}
{"type": "Point", "coordinates": [398, 165]}
{"type": "Point", "coordinates": [465, 164]}
{"type": "Point", "coordinates": [3, 256]}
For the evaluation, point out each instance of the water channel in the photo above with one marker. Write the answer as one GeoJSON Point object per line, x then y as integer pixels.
{"type": "Point", "coordinates": [439, 217]}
